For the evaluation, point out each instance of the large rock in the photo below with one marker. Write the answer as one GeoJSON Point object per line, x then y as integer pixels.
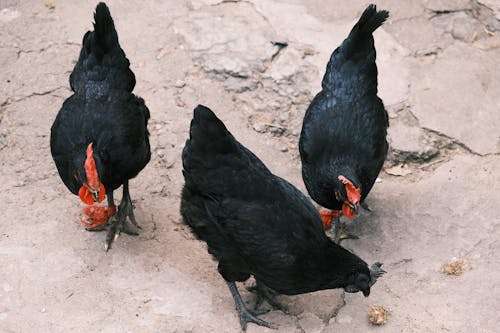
{"type": "Point", "coordinates": [229, 41]}
{"type": "Point", "coordinates": [408, 142]}
{"type": "Point", "coordinates": [494, 5]}
{"type": "Point", "coordinates": [310, 323]}
{"type": "Point", "coordinates": [393, 70]}
{"type": "Point", "coordinates": [420, 35]}
{"type": "Point", "coordinates": [323, 304]}
{"type": "Point", "coordinates": [460, 99]}
{"type": "Point", "coordinates": [446, 5]}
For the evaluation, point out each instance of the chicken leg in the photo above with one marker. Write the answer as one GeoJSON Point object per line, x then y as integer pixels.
{"type": "Point", "coordinates": [265, 293]}
{"type": "Point", "coordinates": [365, 206]}
{"type": "Point", "coordinates": [331, 222]}
{"type": "Point", "coordinates": [246, 316]}
{"type": "Point", "coordinates": [121, 219]}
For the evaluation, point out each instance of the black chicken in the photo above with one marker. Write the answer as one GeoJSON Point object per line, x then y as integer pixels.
{"type": "Point", "coordinates": [343, 141]}
{"type": "Point", "coordinates": [256, 223]}
{"type": "Point", "coordinates": [99, 139]}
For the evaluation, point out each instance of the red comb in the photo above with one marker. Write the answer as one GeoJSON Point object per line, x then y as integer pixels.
{"type": "Point", "coordinates": [353, 193]}
{"type": "Point", "coordinates": [90, 169]}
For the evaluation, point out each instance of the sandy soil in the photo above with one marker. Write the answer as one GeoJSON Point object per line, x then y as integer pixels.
{"type": "Point", "coordinates": [439, 73]}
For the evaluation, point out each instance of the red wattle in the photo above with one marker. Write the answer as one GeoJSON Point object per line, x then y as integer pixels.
{"type": "Point", "coordinates": [85, 195]}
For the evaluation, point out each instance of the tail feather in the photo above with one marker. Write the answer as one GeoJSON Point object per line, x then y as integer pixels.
{"type": "Point", "coordinates": [208, 133]}
{"type": "Point", "coordinates": [206, 123]}
{"type": "Point", "coordinates": [369, 21]}
{"type": "Point", "coordinates": [208, 138]}
{"type": "Point", "coordinates": [105, 38]}
{"type": "Point", "coordinates": [356, 54]}
{"type": "Point", "coordinates": [102, 64]}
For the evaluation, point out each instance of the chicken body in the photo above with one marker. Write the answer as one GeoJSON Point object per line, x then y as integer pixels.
{"type": "Point", "coordinates": [256, 223]}
{"type": "Point", "coordinates": [104, 115]}
{"type": "Point", "coordinates": [343, 138]}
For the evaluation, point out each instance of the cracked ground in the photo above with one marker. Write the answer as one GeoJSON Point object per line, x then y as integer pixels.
{"type": "Point", "coordinates": [437, 198]}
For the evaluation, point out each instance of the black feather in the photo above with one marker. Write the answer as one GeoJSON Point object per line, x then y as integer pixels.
{"type": "Point", "coordinates": [102, 111]}
{"type": "Point", "coordinates": [256, 223]}
{"type": "Point", "coordinates": [102, 65]}
{"type": "Point", "coordinates": [345, 127]}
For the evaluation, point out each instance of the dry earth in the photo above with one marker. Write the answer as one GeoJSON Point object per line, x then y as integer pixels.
{"type": "Point", "coordinates": [439, 74]}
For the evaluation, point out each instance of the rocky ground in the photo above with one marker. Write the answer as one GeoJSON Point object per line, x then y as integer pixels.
{"type": "Point", "coordinates": [436, 200]}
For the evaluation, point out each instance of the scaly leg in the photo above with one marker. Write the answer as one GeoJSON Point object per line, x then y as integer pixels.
{"type": "Point", "coordinates": [129, 227]}
{"type": "Point", "coordinates": [265, 293]}
{"type": "Point", "coordinates": [365, 206]}
{"type": "Point", "coordinates": [121, 219]}
{"type": "Point", "coordinates": [246, 316]}
{"type": "Point", "coordinates": [335, 230]}
{"type": "Point", "coordinates": [337, 233]}
{"type": "Point", "coordinates": [344, 235]}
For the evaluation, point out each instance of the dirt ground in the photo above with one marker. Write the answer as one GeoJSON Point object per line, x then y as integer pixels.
{"type": "Point", "coordinates": [436, 200]}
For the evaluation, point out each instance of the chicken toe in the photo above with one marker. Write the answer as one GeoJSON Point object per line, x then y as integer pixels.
{"type": "Point", "coordinates": [264, 293]}
{"type": "Point", "coordinates": [365, 206]}
{"type": "Point", "coordinates": [246, 316]}
{"type": "Point", "coordinates": [124, 220]}
{"type": "Point", "coordinates": [338, 233]}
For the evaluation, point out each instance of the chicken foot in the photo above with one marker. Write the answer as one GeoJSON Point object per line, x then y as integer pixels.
{"type": "Point", "coordinates": [265, 293]}
{"type": "Point", "coordinates": [365, 206]}
{"type": "Point", "coordinates": [337, 232]}
{"type": "Point", "coordinates": [121, 221]}
{"type": "Point", "coordinates": [246, 316]}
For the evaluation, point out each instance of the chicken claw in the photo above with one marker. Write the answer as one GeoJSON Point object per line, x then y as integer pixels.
{"type": "Point", "coordinates": [337, 232]}
{"type": "Point", "coordinates": [246, 316]}
{"type": "Point", "coordinates": [265, 293]}
{"type": "Point", "coordinates": [121, 219]}
{"type": "Point", "coordinates": [365, 206]}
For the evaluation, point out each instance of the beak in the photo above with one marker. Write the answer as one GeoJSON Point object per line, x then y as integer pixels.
{"type": "Point", "coordinates": [95, 195]}
{"type": "Point", "coordinates": [376, 271]}
{"type": "Point", "coordinates": [366, 292]}
{"type": "Point", "coordinates": [354, 207]}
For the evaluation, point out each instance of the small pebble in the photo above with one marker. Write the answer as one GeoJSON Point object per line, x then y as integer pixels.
{"type": "Point", "coordinates": [456, 267]}
{"type": "Point", "coordinates": [377, 315]}
{"type": "Point", "coordinates": [180, 103]}
{"type": "Point", "coordinates": [179, 84]}
{"type": "Point", "coordinates": [259, 127]}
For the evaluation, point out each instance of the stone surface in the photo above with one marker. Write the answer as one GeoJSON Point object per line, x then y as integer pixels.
{"type": "Point", "coordinates": [465, 29]}
{"type": "Point", "coordinates": [493, 5]}
{"type": "Point", "coordinates": [310, 323]}
{"type": "Point", "coordinates": [427, 39]}
{"type": "Point", "coordinates": [228, 53]}
{"type": "Point", "coordinates": [323, 304]}
{"type": "Point", "coordinates": [468, 109]}
{"type": "Point", "coordinates": [446, 5]}
{"type": "Point", "coordinates": [408, 142]}
{"type": "Point", "coordinates": [419, 297]}
{"type": "Point", "coordinates": [218, 53]}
